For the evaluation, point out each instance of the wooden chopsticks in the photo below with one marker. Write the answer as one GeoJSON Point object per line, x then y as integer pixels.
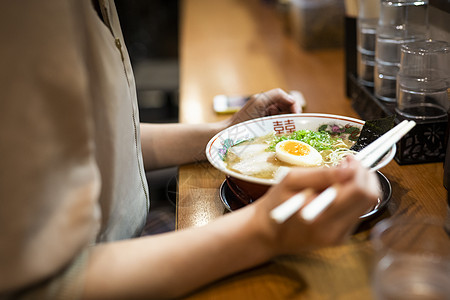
{"type": "Point", "coordinates": [367, 156]}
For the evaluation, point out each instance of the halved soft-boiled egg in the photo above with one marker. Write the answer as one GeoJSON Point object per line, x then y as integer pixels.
{"type": "Point", "coordinates": [298, 153]}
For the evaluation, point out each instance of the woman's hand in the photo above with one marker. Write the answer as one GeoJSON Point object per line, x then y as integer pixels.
{"type": "Point", "coordinates": [358, 191]}
{"type": "Point", "coordinates": [268, 103]}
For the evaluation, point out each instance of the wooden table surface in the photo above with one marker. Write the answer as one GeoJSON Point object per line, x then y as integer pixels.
{"type": "Point", "coordinates": [237, 47]}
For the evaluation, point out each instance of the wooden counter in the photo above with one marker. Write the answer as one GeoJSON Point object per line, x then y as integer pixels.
{"type": "Point", "coordinates": [239, 47]}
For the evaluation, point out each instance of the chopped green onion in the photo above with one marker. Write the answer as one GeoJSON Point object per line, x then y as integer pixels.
{"type": "Point", "coordinates": [320, 140]}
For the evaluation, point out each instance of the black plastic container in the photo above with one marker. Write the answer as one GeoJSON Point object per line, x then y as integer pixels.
{"type": "Point", "coordinates": [425, 143]}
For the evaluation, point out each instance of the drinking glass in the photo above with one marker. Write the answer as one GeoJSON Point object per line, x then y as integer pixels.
{"type": "Point", "coordinates": [400, 21]}
{"type": "Point", "coordinates": [366, 38]}
{"type": "Point", "coordinates": [423, 80]}
{"type": "Point", "coordinates": [413, 260]}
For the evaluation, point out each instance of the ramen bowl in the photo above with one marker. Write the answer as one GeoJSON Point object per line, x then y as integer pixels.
{"type": "Point", "coordinates": [249, 188]}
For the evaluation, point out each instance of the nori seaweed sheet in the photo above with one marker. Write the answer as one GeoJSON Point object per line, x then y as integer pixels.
{"type": "Point", "coordinates": [372, 130]}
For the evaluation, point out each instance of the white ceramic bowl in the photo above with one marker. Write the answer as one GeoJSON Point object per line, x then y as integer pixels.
{"type": "Point", "coordinates": [218, 145]}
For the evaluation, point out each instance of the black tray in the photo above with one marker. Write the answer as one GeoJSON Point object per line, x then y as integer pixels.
{"type": "Point", "coordinates": [425, 143]}
{"type": "Point", "coordinates": [231, 202]}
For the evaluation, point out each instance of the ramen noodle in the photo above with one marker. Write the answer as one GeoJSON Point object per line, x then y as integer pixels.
{"type": "Point", "coordinates": [271, 156]}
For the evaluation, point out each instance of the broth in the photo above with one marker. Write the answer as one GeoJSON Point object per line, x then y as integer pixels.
{"type": "Point", "coordinates": [257, 157]}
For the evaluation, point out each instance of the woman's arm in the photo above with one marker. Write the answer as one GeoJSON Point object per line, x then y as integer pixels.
{"type": "Point", "coordinates": [174, 264]}
{"type": "Point", "coordinates": [165, 145]}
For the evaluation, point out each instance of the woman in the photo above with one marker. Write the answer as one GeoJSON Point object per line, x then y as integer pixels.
{"type": "Point", "coordinates": [72, 188]}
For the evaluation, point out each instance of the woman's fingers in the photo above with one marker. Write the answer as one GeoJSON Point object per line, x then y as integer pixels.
{"type": "Point", "coordinates": [268, 103]}
{"type": "Point", "coordinates": [316, 178]}
{"type": "Point", "coordinates": [299, 179]}
{"type": "Point", "coordinates": [355, 197]}
{"type": "Point", "coordinates": [277, 101]}
{"type": "Point", "coordinates": [358, 191]}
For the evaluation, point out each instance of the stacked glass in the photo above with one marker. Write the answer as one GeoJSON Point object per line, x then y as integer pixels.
{"type": "Point", "coordinates": [423, 81]}
{"type": "Point", "coordinates": [366, 37]}
{"type": "Point", "coordinates": [400, 21]}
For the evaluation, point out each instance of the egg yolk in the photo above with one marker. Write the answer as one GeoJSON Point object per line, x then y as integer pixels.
{"type": "Point", "coordinates": [296, 149]}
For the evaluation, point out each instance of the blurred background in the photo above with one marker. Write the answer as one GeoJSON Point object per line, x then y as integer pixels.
{"type": "Point", "coordinates": [150, 30]}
